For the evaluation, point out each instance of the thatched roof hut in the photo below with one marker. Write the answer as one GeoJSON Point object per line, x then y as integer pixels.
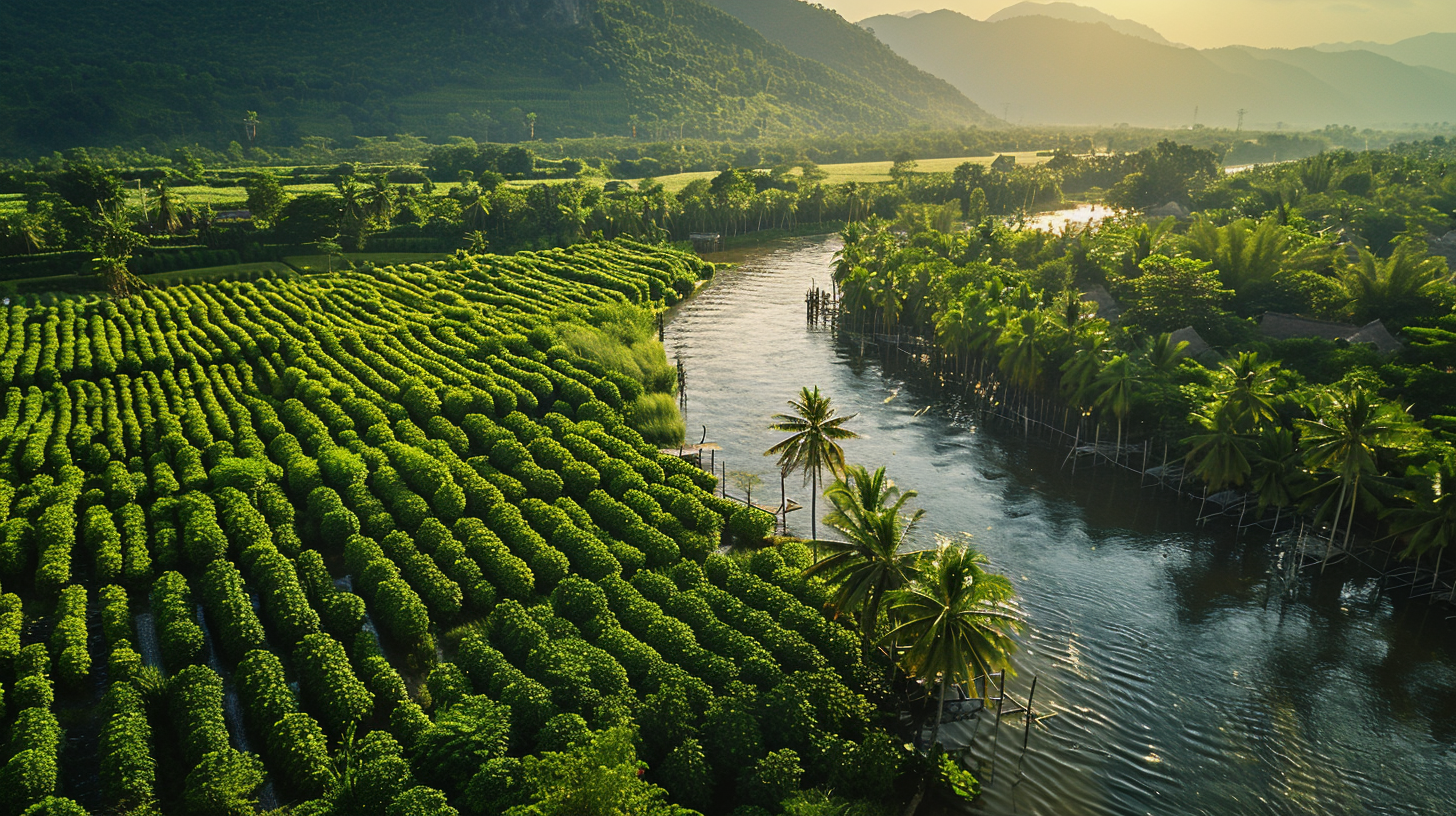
{"type": "Point", "coordinates": [1107, 306]}
{"type": "Point", "coordinates": [1286, 327]}
{"type": "Point", "coordinates": [1196, 348]}
{"type": "Point", "coordinates": [1376, 334]}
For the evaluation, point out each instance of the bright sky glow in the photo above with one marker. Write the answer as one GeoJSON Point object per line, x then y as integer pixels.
{"type": "Point", "coordinates": [1214, 23]}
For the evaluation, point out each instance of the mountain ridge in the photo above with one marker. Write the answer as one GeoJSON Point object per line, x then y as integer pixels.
{"type": "Point", "coordinates": [85, 73]}
{"type": "Point", "coordinates": [821, 34]}
{"type": "Point", "coordinates": [1434, 50]}
{"type": "Point", "coordinates": [1026, 65]}
{"type": "Point", "coordinates": [1077, 13]}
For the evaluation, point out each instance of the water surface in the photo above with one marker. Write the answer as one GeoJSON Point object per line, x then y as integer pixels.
{"type": "Point", "coordinates": [1182, 679]}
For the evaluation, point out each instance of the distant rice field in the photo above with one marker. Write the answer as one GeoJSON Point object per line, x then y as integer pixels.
{"type": "Point", "coordinates": [863, 172]}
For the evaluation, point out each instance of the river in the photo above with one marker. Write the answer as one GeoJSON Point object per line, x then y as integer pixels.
{"type": "Point", "coordinates": [1182, 679]}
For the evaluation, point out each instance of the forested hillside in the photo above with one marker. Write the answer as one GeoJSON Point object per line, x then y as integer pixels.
{"type": "Point", "coordinates": [820, 34]}
{"type": "Point", "coordinates": [156, 72]}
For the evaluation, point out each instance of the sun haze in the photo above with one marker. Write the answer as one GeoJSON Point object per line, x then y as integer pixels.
{"type": "Point", "coordinates": [1215, 23]}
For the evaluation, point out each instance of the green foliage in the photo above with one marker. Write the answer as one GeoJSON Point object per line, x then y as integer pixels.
{"type": "Point", "coordinates": [598, 778]}
{"type": "Point", "coordinates": [464, 735]}
{"type": "Point", "coordinates": [685, 774]}
{"type": "Point", "coordinates": [750, 525]}
{"type": "Point", "coordinates": [341, 700]}
{"type": "Point", "coordinates": [1172, 293]}
{"type": "Point", "coordinates": [771, 780]}
{"type": "Point", "coordinates": [223, 782]}
{"type": "Point", "coordinates": [55, 806]}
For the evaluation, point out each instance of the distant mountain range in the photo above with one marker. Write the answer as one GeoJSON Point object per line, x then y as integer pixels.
{"type": "Point", "coordinates": [1079, 14]}
{"type": "Point", "coordinates": [820, 34]}
{"type": "Point", "coordinates": [159, 72]}
{"type": "Point", "coordinates": [1430, 50]}
{"type": "Point", "coordinates": [1044, 69]}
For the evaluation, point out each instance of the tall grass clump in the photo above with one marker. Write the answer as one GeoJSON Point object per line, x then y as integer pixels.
{"type": "Point", "coordinates": [622, 337]}
{"type": "Point", "coordinates": [655, 416]}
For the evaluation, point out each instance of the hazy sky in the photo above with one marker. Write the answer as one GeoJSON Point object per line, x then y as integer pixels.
{"type": "Point", "coordinates": [1212, 23]}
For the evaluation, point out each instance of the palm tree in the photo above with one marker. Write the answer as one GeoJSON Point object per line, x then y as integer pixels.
{"type": "Point", "coordinates": [1251, 398]}
{"type": "Point", "coordinates": [1080, 370]}
{"type": "Point", "coordinates": [1277, 478]}
{"type": "Point", "coordinates": [1161, 355]}
{"type": "Point", "coordinates": [1116, 387]}
{"type": "Point", "coordinates": [31, 228]}
{"type": "Point", "coordinates": [957, 619]}
{"type": "Point", "coordinates": [869, 513]}
{"type": "Point", "coordinates": [114, 242]}
{"type": "Point", "coordinates": [813, 445]}
{"type": "Point", "coordinates": [1218, 450]}
{"type": "Point", "coordinates": [1023, 350]}
{"type": "Point", "coordinates": [378, 202]}
{"type": "Point", "coordinates": [476, 206]}
{"type": "Point", "coordinates": [1430, 522]}
{"type": "Point", "coordinates": [1345, 438]}
{"type": "Point", "coordinates": [1387, 288]}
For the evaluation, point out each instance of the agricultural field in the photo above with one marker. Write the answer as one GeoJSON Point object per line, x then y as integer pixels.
{"type": "Point", "coordinates": [395, 521]}
{"type": "Point", "coordinates": [862, 172]}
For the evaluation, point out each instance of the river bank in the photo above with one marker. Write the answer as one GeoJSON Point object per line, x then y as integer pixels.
{"type": "Point", "coordinates": [1181, 679]}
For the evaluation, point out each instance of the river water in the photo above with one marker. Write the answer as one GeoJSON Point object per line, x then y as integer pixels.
{"type": "Point", "coordinates": [1183, 680]}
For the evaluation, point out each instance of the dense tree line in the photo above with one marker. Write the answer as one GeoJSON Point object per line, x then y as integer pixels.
{"type": "Point", "coordinates": [1349, 432]}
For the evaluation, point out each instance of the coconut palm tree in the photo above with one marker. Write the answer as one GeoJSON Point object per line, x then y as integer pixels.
{"type": "Point", "coordinates": [869, 511]}
{"type": "Point", "coordinates": [1387, 288]}
{"type": "Point", "coordinates": [1250, 399]}
{"type": "Point", "coordinates": [1080, 370]}
{"type": "Point", "coordinates": [1345, 438]}
{"type": "Point", "coordinates": [1429, 523]}
{"type": "Point", "coordinates": [955, 618]}
{"type": "Point", "coordinates": [1217, 451]}
{"type": "Point", "coordinates": [114, 242]}
{"type": "Point", "coordinates": [1277, 478]}
{"type": "Point", "coordinates": [31, 229]}
{"type": "Point", "coordinates": [1116, 386]}
{"type": "Point", "coordinates": [1161, 355]}
{"type": "Point", "coordinates": [813, 444]}
{"type": "Point", "coordinates": [378, 202]}
{"type": "Point", "coordinates": [1023, 350]}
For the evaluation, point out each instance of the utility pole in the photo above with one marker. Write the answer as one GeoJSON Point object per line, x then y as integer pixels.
{"type": "Point", "coordinates": [1241, 120]}
{"type": "Point", "coordinates": [250, 126]}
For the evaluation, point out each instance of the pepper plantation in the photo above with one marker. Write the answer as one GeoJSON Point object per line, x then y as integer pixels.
{"type": "Point", "coordinates": [382, 541]}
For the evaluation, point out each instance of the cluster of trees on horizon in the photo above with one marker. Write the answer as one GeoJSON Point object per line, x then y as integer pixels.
{"type": "Point", "coordinates": [456, 197]}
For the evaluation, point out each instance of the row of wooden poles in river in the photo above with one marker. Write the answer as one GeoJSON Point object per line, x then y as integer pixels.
{"type": "Point", "coordinates": [1300, 542]}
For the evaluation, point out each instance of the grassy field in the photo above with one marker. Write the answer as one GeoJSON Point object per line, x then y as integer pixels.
{"type": "Point", "coordinates": [864, 172]}
{"type": "Point", "coordinates": [320, 263]}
